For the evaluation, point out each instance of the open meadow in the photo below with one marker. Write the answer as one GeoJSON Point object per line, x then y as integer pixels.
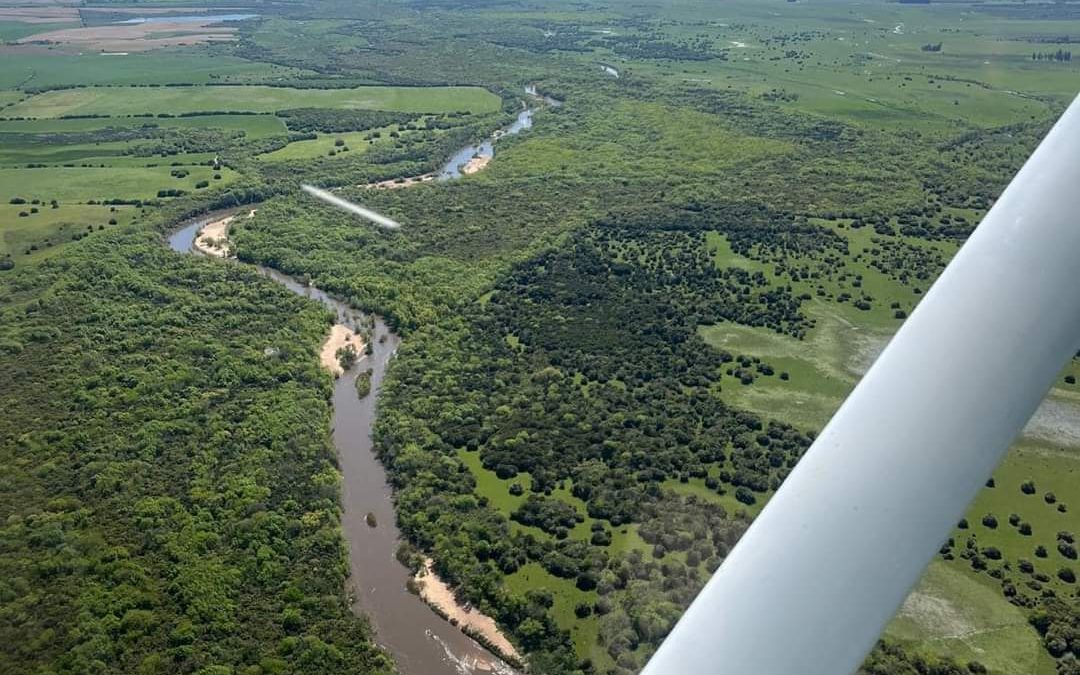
{"type": "Point", "coordinates": [120, 101]}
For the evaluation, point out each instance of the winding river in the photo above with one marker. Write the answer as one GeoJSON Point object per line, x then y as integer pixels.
{"type": "Point", "coordinates": [421, 642]}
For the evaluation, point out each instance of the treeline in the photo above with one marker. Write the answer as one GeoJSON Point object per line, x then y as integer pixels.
{"type": "Point", "coordinates": [1060, 55]}
{"type": "Point", "coordinates": [332, 120]}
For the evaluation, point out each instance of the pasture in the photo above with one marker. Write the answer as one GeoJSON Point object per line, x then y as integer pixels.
{"type": "Point", "coordinates": [30, 66]}
{"type": "Point", "coordinates": [83, 184]}
{"type": "Point", "coordinates": [117, 101]}
{"type": "Point", "coordinates": [37, 234]}
{"type": "Point", "coordinates": [253, 126]}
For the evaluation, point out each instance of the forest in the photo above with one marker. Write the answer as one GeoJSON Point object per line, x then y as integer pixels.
{"type": "Point", "coordinates": [169, 508]}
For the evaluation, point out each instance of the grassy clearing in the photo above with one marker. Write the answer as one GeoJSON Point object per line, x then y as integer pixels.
{"type": "Point", "coordinates": [50, 227]}
{"type": "Point", "coordinates": [24, 68]}
{"type": "Point", "coordinates": [255, 126]}
{"type": "Point", "coordinates": [320, 147]}
{"type": "Point", "coordinates": [567, 596]}
{"type": "Point", "coordinates": [108, 153]}
{"type": "Point", "coordinates": [178, 100]}
{"type": "Point", "coordinates": [696, 486]}
{"type": "Point", "coordinates": [958, 615]}
{"type": "Point", "coordinates": [1053, 470]}
{"type": "Point", "coordinates": [84, 184]}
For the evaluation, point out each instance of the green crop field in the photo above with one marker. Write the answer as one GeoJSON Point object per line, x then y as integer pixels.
{"type": "Point", "coordinates": [117, 101]}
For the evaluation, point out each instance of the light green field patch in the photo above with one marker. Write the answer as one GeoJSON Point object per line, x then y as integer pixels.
{"type": "Point", "coordinates": [1054, 471]}
{"type": "Point", "coordinates": [696, 486]}
{"type": "Point", "coordinates": [184, 65]}
{"type": "Point", "coordinates": [51, 227]}
{"type": "Point", "coordinates": [823, 368]}
{"type": "Point", "coordinates": [321, 147]}
{"type": "Point", "coordinates": [178, 100]}
{"type": "Point", "coordinates": [494, 488]}
{"type": "Point", "coordinates": [84, 184]}
{"type": "Point", "coordinates": [7, 97]}
{"type": "Point", "coordinates": [567, 596]}
{"type": "Point", "coordinates": [950, 613]}
{"type": "Point", "coordinates": [255, 126]}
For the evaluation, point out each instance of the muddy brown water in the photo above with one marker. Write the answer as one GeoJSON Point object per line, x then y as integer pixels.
{"type": "Point", "coordinates": [421, 642]}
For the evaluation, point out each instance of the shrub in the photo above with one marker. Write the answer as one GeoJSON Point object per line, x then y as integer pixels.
{"type": "Point", "coordinates": [1067, 550]}
{"type": "Point", "coordinates": [745, 496]}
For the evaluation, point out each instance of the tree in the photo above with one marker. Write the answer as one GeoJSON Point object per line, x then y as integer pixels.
{"type": "Point", "coordinates": [745, 496]}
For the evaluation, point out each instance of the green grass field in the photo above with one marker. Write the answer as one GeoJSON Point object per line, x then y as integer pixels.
{"type": "Point", "coordinates": [256, 126]}
{"type": "Point", "coordinates": [182, 65]}
{"type": "Point", "coordinates": [55, 226]}
{"type": "Point", "coordinates": [177, 100]}
{"type": "Point", "coordinates": [953, 613]}
{"type": "Point", "coordinates": [320, 147]}
{"type": "Point", "coordinates": [84, 184]}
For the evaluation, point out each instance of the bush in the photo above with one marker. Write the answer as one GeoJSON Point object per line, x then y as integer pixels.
{"type": "Point", "coordinates": [1067, 550]}
{"type": "Point", "coordinates": [1067, 575]}
{"type": "Point", "coordinates": [990, 521]}
{"type": "Point", "coordinates": [1028, 487]}
{"type": "Point", "coordinates": [745, 496]}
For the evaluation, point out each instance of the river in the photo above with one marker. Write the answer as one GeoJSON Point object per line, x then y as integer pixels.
{"type": "Point", "coordinates": [421, 642]}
